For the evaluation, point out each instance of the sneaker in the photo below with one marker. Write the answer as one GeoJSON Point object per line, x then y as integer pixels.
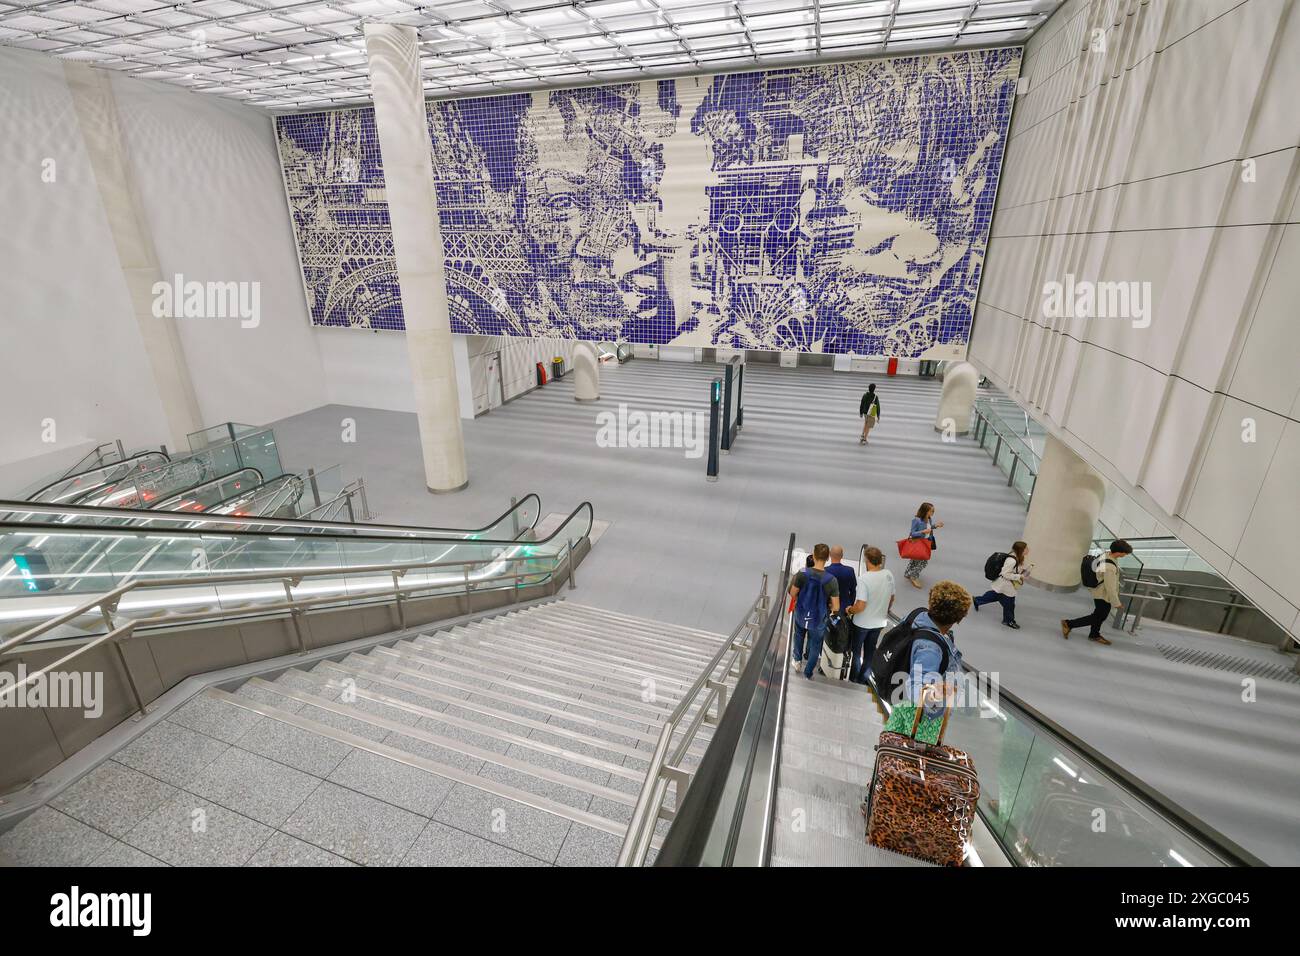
{"type": "Point", "coordinates": [1011, 624]}
{"type": "Point", "coordinates": [1065, 629]}
{"type": "Point", "coordinates": [1100, 640]}
{"type": "Point", "coordinates": [975, 605]}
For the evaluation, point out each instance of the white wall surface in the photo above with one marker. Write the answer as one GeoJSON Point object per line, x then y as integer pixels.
{"type": "Point", "coordinates": [210, 184]}
{"type": "Point", "coordinates": [72, 350]}
{"type": "Point", "coordinates": [1166, 154]}
{"type": "Point", "coordinates": [208, 178]}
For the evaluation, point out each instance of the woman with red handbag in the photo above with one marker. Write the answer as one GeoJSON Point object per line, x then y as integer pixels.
{"type": "Point", "coordinates": [919, 543]}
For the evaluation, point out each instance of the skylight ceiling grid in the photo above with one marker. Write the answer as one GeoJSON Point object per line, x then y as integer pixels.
{"type": "Point", "coordinates": [303, 54]}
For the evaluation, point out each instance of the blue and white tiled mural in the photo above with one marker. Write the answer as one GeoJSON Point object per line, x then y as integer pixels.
{"type": "Point", "coordinates": [839, 208]}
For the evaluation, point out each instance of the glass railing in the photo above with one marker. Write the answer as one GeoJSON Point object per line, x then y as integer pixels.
{"type": "Point", "coordinates": [48, 571]}
{"type": "Point", "coordinates": [1051, 800]}
{"type": "Point", "coordinates": [71, 487]}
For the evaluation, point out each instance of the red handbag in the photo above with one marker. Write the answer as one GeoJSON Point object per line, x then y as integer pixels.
{"type": "Point", "coordinates": [914, 549]}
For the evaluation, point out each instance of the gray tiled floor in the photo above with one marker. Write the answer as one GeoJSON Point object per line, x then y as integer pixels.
{"type": "Point", "coordinates": [355, 826]}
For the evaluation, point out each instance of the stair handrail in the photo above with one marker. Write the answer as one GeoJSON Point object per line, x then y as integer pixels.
{"type": "Point", "coordinates": [107, 603]}
{"type": "Point", "coordinates": [665, 770]}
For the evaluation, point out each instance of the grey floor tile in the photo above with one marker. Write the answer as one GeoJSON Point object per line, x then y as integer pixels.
{"type": "Point", "coordinates": [502, 821]}
{"type": "Point", "coordinates": [171, 752]}
{"type": "Point", "coordinates": [123, 854]}
{"type": "Point", "coordinates": [47, 837]}
{"type": "Point", "coordinates": [392, 782]}
{"type": "Point", "coordinates": [441, 845]}
{"type": "Point", "coordinates": [570, 796]}
{"type": "Point", "coordinates": [584, 846]}
{"type": "Point", "coordinates": [113, 798]}
{"type": "Point", "coordinates": [254, 785]}
{"type": "Point", "coordinates": [214, 717]}
{"type": "Point", "coordinates": [344, 722]}
{"type": "Point", "coordinates": [190, 830]}
{"type": "Point", "coordinates": [298, 748]}
{"type": "Point", "coordinates": [263, 695]}
{"type": "Point", "coordinates": [484, 740]}
{"type": "Point", "coordinates": [355, 826]}
{"type": "Point", "coordinates": [284, 850]}
{"type": "Point", "coordinates": [429, 751]}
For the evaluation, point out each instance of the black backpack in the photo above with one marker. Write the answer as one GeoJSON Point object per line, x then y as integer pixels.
{"type": "Point", "coordinates": [839, 632]}
{"type": "Point", "coordinates": [993, 565]}
{"type": "Point", "coordinates": [894, 653]}
{"type": "Point", "coordinates": [1086, 573]}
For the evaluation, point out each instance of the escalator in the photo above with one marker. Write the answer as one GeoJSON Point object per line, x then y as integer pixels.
{"type": "Point", "coordinates": [1047, 798]}
{"type": "Point", "coordinates": [162, 602]}
{"type": "Point", "coordinates": [50, 554]}
{"type": "Point", "coordinates": [68, 489]}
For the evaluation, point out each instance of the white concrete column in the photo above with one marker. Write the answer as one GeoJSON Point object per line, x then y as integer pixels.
{"type": "Point", "coordinates": [101, 131]}
{"type": "Point", "coordinates": [392, 52]}
{"type": "Point", "coordinates": [586, 372]}
{"type": "Point", "coordinates": [960, 382]}
{"type": "Point", "coordinates": [1062, 516]}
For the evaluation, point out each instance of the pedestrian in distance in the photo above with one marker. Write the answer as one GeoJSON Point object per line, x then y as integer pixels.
{"type": "Point", "coordinates": [1101, 577]}
{"type": "Point", "coordinates": [1010, 571]}
{"type": "Point", "coordinates": [869, 412]}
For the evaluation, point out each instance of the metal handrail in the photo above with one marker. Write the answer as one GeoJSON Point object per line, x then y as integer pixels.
{"type": "Point", "coordinates": [292, 525]}
{"type": "Point", "coordinates": [77, 474]}
{"type": "Point", "coordinates": [665, 770]}
{"type": "Point", "coordinates": [220, 479]}
{"type": "Point", "coordinates": [107, 604]}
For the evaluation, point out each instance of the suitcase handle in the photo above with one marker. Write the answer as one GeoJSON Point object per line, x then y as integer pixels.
{"type": "Point", "coordinates": [941, 689]}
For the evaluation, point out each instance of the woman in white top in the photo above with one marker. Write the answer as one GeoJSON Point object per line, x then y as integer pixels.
{"type": "Point", "coordinates": [1014, 571]}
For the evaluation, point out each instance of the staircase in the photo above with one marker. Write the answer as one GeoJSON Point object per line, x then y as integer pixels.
{"type": "Point", "coordinates": [521, 739]}
{"type": "Point", "coordinates": [827, 754]}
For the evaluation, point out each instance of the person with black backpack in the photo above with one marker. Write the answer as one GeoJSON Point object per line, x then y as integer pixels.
{"type": "Point", "coordinates": [1101, 577]}
{"type": "Point", "coordinates": [1007, 572]}
{"type": "Point", "coordinates": [920, 650]}
{"type": "Point", "coordinates": [869, 412]}
{"type": "Point", "coordinates": [816, 595]}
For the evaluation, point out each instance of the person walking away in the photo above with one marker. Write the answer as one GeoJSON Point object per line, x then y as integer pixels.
{"type": "Point", "coordinates": [870, 612]}
{"type": "Point", "coordinates": [923, 528]}
{"type": "Point", "coordinates": [808, 563]}
{"type": "Point", "coordinates": [816, 595]}
{"type": "Point", "coordinates": [1010, 576]}
{"type": "Point", "coordinates": [869, 411]}
{"type": "Point", "coordinates": [1101, 577]}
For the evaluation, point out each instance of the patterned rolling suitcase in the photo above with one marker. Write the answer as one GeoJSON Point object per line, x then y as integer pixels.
{"type": "Point", "coordinates": [922, 797]}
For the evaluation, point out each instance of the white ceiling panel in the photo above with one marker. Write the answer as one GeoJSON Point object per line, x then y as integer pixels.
{"type": "Point", "coordinates": [305, 54]}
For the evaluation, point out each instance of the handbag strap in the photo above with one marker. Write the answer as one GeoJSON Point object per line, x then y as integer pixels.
{"type": "Point", "coordinates": [920, 711]}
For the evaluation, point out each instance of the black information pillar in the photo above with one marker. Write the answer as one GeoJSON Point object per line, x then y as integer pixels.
{"type": "Point", "coordinates": [715, 406]}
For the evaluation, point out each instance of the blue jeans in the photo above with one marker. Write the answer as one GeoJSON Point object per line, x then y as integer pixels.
{"type": "Point", "coordinates": [1007, 601]}
{"type": "Point", "coordinates": [816, 635]}
{"type": "Point", "coordinates": [864, 646]}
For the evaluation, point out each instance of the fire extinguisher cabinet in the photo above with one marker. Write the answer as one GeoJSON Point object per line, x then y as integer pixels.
{"type": "Point", "coordinates": [541, 374]}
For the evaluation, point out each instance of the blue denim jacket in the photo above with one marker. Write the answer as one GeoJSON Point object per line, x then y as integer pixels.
{"type": "Point", "coordinates": [926, 658]}
{"type": "Point", "coordinates": [918, 526]}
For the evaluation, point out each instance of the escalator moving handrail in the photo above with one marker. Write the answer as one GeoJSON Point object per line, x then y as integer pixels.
{"type": "Point", "coordinates": [74, 476]}
{"type": "Point", "coordinates": [24, 507]}
{"type": "Point", "coordinates": [261, 480]}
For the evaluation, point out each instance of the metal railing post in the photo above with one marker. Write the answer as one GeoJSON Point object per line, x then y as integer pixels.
{"type": "Point", "coordinates": [397, 594]}
{"type": "Point", "coordinates": [465, 585]}
{"type": "Point", "coordinates": [295, 613]}
{"type": "Point", "coordinates": [571, 584]}
{"type": "Point", "coordinates": [365, 505]}
{"type": "Point", "coordinates": [130, 676]}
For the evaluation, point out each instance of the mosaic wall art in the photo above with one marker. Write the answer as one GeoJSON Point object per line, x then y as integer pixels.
{"type": "Point", "coordinates": [840, 208]}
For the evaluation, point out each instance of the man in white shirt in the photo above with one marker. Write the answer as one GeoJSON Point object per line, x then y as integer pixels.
{"type": "Point", "coordinates": [870, 612]}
